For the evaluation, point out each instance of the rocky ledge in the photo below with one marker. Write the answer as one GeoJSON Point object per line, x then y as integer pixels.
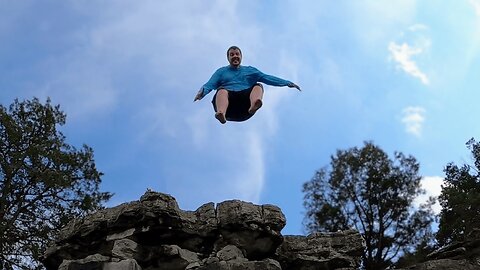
{"type": "Point", "coordinates": [153, 233]}
{"type": "Point", "coordinates": [463, 255]}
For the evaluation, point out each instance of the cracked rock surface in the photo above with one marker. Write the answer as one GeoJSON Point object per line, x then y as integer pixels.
{"type": "Point", "coordinates": [154, 233]}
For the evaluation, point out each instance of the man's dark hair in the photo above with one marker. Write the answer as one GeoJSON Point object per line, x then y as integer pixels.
{"type": "Point", "coordinates": [234, 48]}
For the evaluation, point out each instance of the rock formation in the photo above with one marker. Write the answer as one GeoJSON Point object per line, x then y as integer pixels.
{"type": "Point", "coordinates": [457, 256]}
{"type": "Point", "coordinates": [153, 233]}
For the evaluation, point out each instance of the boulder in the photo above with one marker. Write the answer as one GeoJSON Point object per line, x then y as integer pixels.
{"type": "Point", "coordinates": [338, 250]}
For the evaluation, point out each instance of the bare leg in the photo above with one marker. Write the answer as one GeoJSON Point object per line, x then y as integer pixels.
{"type": "Point", "coordinates": [221, 101]}
{"type": "Point", "coordinates": [256, 99]}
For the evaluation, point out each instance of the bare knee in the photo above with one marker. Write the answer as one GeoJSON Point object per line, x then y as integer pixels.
{"type": "Point", "coordinates": [222, 92]}
{"type": "Point", "coordinates": [222, 95]}
{"type": "Point", "coordinates": [257, 92]}
{"type": "Point", "coordinates": [258, 88]}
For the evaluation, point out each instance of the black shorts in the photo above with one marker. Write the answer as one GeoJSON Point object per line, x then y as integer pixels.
{"type": "Point", "coordinates": [238, 104]}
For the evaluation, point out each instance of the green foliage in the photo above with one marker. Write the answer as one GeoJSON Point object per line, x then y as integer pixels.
{"type": "Point", "coordinates": [460, 199]}
{"type": "Point", "coordinates": [365, 190]}
{"type": "Point", "coordinates": [44, 182]}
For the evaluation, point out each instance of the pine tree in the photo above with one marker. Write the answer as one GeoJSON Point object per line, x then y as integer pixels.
{"type": "Point", "coordinates": [44, 182]}
{"type": "Point", "coordinates": [460, 199]}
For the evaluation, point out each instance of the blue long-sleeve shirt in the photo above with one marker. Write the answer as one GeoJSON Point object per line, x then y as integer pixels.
{"type": "Point", "coordinates": [240, 78]}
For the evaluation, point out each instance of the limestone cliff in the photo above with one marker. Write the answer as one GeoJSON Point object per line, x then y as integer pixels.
{"type": "Point", "coordinates": [153, 233]}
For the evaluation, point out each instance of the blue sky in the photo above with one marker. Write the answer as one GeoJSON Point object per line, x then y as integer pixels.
{"type": "Point", "coordinates": [400, 73]}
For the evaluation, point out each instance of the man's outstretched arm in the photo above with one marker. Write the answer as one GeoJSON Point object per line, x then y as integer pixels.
{"type": "Point", "coordinates": [212, 84]}
{"type": "Point", "coordinates": [273, 80]}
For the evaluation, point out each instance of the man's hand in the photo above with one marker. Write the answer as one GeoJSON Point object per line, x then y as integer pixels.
{"type": "Point", "coordinates": [292, 85]}
{"type": "Point", "coordinates": [199, 95]}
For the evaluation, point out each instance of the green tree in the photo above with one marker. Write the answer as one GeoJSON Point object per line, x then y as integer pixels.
{"type": "Point", "coordinates": [44, 182]}
{"type": "Point", "coordinates": [460, 199]}
{"type": "Point", "coordinates": [365, 190]}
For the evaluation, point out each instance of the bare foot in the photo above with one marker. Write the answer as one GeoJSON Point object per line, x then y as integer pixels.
{"type": "Point", "coordinates": [256, 105]}
{"type": "Point", "coordinates": [220, 117]}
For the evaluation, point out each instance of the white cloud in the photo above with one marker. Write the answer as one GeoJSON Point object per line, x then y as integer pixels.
{"type": "Point", "coordinates": [413, 118]}
{"type": "Point", "coordinates": [414, 43]}
{"type": "Point", "coordinates": [402, 54]}
{"type": "Point", "coordinates": [433, 187]}
{"type": "Point", "coordinates": [476, 6]}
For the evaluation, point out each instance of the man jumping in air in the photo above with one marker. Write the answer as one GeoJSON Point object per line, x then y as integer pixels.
{"type": "Point", "coordinates": [239, 92]}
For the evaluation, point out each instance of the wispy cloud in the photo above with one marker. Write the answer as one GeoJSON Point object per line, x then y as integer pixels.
{"type": "Point", "coordinates": [476, 6]}
{"type": "Point", "coordinates": [433, 187]}
{"type": "Point", "coordinates": [249, 183]}
{"type": "Point", "coordinates": [418, 27]}
{"type": "Point", "coordinates": [413, 44]}
{"type": "Point", "coordinates": [413, 118]}
{"type": "Point", "coordinates": [165, 50]}
{"type": "Point", "coordinates": [142, 63]}
{"type": "Point", "coordinates": [82, 88]}
{"type": "Point", "coordinates": [229, 166]}
{"type": "Point", "coordinates": [402, 54]}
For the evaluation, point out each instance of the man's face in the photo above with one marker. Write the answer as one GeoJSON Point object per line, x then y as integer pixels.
{"type": "Point", "coordinates": [234, 57]}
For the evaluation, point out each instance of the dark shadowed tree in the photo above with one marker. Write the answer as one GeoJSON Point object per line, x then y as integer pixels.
{"type": "Point", "coordinates": [366, 190]}
{"type": "Point", "coordinates": [44, 182]}
{"type": "Point", "coordinates": [460, 199]}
